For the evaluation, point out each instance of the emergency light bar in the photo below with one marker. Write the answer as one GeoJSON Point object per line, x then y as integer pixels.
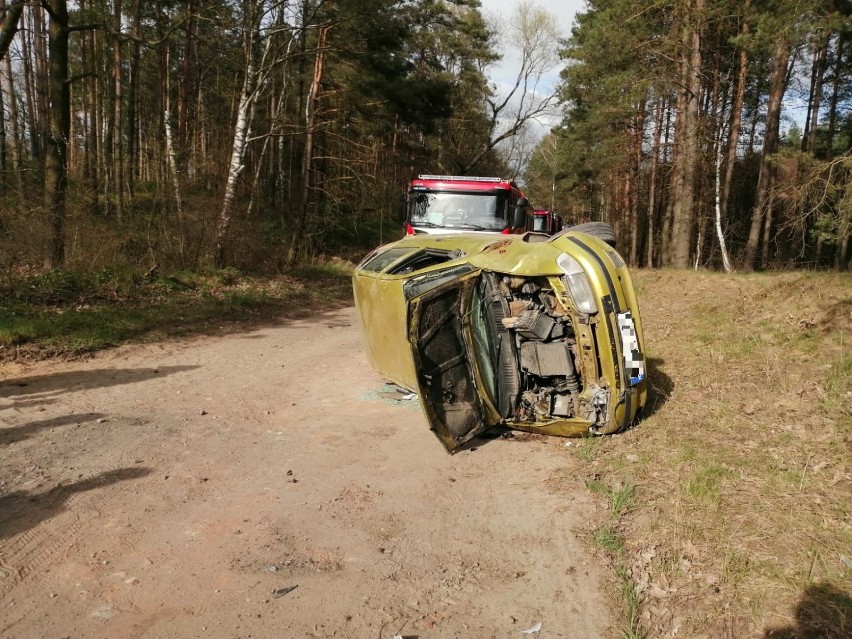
{"type": "Point", "coordinates": [460, 177]}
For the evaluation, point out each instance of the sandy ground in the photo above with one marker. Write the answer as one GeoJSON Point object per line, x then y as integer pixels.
{"type": "Point", "coordinates": [180, 489]}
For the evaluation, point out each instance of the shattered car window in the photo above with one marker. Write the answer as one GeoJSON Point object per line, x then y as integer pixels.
{"type": "Point", "coordinates": [382, 260]}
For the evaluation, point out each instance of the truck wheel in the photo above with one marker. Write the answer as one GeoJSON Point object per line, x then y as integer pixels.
{"type": "Point", "coordinates": [601, 230]}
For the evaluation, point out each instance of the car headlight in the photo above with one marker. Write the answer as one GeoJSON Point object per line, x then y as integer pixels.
{"type": "Point", "coordinates": [578, 284]}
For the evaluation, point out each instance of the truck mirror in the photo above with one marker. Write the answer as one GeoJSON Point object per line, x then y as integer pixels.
{"type": "Point", "coordinates": [519, 219]}
{"type": "Point", "coordinates": [400, 214]}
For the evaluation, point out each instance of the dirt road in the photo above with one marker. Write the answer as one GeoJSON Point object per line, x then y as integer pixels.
{"type": "Point", "coordinates": [180, 490]}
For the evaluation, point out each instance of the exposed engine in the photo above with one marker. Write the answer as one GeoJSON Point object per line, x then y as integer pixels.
{"type": "Point", "coordinates": [545, 349]}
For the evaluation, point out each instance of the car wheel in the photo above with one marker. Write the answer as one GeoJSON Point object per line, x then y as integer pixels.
{"type": "Point", "coordinates": [601, 230]}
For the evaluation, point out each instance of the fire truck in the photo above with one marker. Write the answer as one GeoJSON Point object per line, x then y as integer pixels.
{"type": "Point", "coordinates": [544, 221]}
{"type": "Point", "coordinates": [452, 204]}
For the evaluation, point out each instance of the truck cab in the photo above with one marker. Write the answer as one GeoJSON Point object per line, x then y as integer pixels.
{"type": "Point", "coordinates": [440, 204]}
{"type": "Point", "coordinates": [544, 221]}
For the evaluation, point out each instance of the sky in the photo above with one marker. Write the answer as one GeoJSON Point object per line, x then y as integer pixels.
{"type": "Point", "coordinates": [564, 11]}
{"type": "Point", "coordinates": [504, 72]}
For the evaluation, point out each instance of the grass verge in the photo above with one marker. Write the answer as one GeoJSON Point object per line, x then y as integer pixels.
{"type": "Point", "coordinates": [741, 519]}
{"type": "Point", "coordinates": [608, 538]}
{"type": "Point", "coordinates": [72, 313]}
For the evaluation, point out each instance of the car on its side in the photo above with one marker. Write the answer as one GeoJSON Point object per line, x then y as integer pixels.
{"type": "Point", "coordinates": [535, 333]}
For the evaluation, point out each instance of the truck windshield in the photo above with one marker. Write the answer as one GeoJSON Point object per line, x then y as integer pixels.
{"type": "Point", "coordinates": [479, 211]}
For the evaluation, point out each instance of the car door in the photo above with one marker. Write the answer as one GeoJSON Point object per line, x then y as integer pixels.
{"type": "Point", "coordinates": [448, 383]}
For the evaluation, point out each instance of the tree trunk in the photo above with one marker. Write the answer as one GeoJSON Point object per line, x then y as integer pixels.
{"type": "Point", "coordinates": [56, 158]}
{"type": "Point", "coordinates": [175, 182]}
{"type": "Point", "coordinates": [173, 167]}
{"type": "Point", "coordinates": [765, 180]}
{"type": "Point", "coordinates": [42, 87]}
{"type": "Point", "coordinates": [652, 196]}
{"type": "Point", "coordinates": [186, 68]}
{"type": "Point", "coordinates": [766, 234]}
{"type": "Point", "coordinates": [639, 136]}
{"type": "Point", "coordinates": [676, 172]}
{"type": "Point", "coordinates": [720, 235]}
{"type": "Point", "coordinates": [754, 109]}
{"type": "Point", "coordinates": [132, 161]}
{"type": "Point", "coordinates": [683, 207]}
{"type": "Point", "coordinates": [33, 127]}
{"type": "Point", "coordinates": [733, 134]}
{"type": "Point", "coordinates": [817, 74]}
{"type": "Point", "coordinates": [241, 132]}
{"type": "Point", "coordinates": [3, 155]}
{"type": "Point", "coordinates": [835, 93]}
{"type": "Point", "coordinates": [308, 155]}
{"type": "Point", "coordinates": [89, 127]}
{"type": "Point", "coordinates": [13, 139]}
{"type": "Point", "coordinates": [118, 118]}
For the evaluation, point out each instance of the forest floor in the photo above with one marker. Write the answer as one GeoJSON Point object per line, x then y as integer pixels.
{"type": "Point", "coordinates": [259, 480]}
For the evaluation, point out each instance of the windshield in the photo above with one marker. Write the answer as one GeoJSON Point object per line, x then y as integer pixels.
{"type": "Point", "coordinates": [478, 211]}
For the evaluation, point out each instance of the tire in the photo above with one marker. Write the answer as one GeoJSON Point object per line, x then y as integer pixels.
{"type": "Point", "coordinates": [601, 230]}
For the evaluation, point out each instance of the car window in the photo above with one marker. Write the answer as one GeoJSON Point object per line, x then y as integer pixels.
{"type": "Point", "coordinates": [424, 259]}
{"type": "Point", "coordinates": [382, 260]}
{"type": "Point", "coordinates": [421, 284]}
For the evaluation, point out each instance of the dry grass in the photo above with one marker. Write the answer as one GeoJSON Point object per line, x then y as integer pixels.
{"type": "Point", "coordinates": [742, 515]}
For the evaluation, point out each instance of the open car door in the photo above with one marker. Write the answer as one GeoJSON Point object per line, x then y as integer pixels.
{"type": "Point", "coordinates": [443, 361]}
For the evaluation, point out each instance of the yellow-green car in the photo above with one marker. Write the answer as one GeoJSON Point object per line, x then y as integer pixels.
{"type": "Point", "coordinates": [532, 332]}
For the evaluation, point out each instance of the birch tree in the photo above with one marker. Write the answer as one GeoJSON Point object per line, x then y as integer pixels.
{"type": "Point", "coordinates": [253, 38]}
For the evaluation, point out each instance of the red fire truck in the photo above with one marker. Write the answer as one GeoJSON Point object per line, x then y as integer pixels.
{"type": "Point", "coordinates": [544, 221]}
{"type": "Point", "coordinates": [453, 204]}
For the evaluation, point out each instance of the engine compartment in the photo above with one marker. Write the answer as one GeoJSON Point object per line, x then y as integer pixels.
{"type": "Point", "coordinates": [547, 382]}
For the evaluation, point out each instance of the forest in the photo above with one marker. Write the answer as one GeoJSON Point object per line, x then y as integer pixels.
{"type": "Point", "coordinates": [260, 134]}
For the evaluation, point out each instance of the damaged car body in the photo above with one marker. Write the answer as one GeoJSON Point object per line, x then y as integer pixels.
{"type": "Point", "coordinates": [531, 332]}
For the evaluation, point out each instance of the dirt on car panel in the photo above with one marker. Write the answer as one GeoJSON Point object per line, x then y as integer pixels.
{"type": "Point", "coordinates": [500, 246]}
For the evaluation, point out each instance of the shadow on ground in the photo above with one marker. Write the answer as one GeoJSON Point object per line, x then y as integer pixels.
{"type": "Point", "coordinates": [44, 389]}
{"type": "Point", "coordinates": [660, 387]}
{"type": "Point", "coordinates": [823, 612]}
{"type": "Point", "coordinates": [14, 434]}
{"type": "Point", "coordinates": [22, 510]}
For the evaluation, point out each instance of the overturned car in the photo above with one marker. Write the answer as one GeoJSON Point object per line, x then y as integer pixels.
{"type": "Point", "coordinates": [532, 332]}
